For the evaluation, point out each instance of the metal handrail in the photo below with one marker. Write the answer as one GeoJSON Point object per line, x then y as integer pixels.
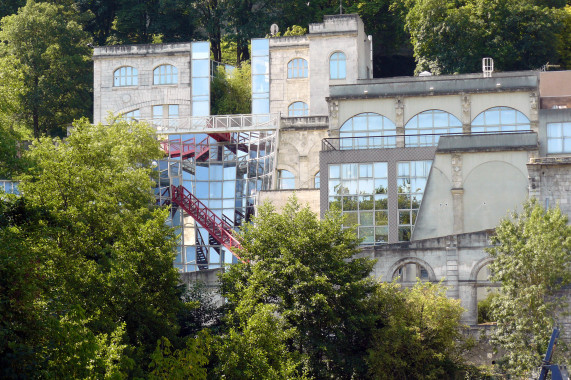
{"type": "Point", "coordinates": [217, 123]}
{"type": "Point", "coordinates": [335, 143]}
{"type": "Point", "coordinates": [217, 227]}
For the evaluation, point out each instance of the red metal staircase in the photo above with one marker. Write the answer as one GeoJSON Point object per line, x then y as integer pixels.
{"type": "Point", "coordinates": [216, 227]}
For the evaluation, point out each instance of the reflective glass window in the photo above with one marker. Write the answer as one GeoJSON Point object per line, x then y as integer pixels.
{"type": "Point", "coordinates": [165, 74]}
{"type": "Point", "coordinates": [359, 191]}
{"type": "Point", "coordinates": [337, 66]}
{"type": "Point", "coordinates": [317, 180]}
{"type": "Point", "coordinates": [425, 128]}
{"type": "Point", "coordinates": [125, 76]}
{"type": "Point", "coordinates": [286, 180]}
{"type": "Point", "coordinates": [559, 137]}
{"type": "Point", "coordinates": [297, 68]}
{"type": "Point", "coordinates": [500, 119]}
{"type": "Point", "coordinates": [298, 109]}
{"type": "Point", "coordinates": [411, 184]}
{"type": "Point", "coordinates": [367, 131]}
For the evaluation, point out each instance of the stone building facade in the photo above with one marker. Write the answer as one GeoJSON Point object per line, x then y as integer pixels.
{"type": "Point", "coordinates": [425, 166]}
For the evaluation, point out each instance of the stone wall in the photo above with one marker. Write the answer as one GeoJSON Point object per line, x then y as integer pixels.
{"type": "Point", "coordinates": [550, 182]}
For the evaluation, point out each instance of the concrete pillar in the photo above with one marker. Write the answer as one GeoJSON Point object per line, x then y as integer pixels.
{"type": "Point", "coordinates": [399, 121]}
{"type": "Point", "coordinates": [452, 267]}
{"type": "Point", "coordinates": [469, 301]}
{"type": "Point", "coordinates": [457, 194]}
{"type": "Point", "coordinates": [466, 113]}
{"type": "Point", "coordinates": [409, 273]}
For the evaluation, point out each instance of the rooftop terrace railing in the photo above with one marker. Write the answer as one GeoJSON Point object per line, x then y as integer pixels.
{"type": "Point", "coordinates": [217, 123]}
{"type": "Point", "coordinates": [410, 140]}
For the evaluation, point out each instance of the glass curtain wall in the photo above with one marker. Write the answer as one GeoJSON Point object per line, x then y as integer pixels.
{"type": "Point", "coordinates": [225, 175]}
{"type": "Point", "coordinates": [200, 81]}
{"type": "Point", "coordinates": [260, 76]}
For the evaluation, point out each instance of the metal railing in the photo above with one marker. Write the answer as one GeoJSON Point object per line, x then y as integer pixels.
{"type": "Point", "coordinates": [217, 123]}
{"type": "Point", "coordinates": [409, 140]}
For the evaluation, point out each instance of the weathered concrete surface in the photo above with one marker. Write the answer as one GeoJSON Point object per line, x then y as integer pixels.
{"type": "Point", "coordinates": [279, 198]}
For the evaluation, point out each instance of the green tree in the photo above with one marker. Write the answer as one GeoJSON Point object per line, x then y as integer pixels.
{"type": "Point", "coordinates": [8, 7]}
{"type": "Point", "coordinates": [532, 257]}
{"type": "Point", "coordinates": [419, 334]}
{"type": "Point", "coordinates": [451, 37]}
{"type": "Point", "coordinates": [104, 247]}
{"type": "Point", "coordinates": [231, 91]}
{"type": "Point", "coordinates": [303, 266]}
{"type": "Point", "coordinates": [44, 43]}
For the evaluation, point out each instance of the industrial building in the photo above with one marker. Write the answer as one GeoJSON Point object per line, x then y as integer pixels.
{"type": "Point", "coordinates": [426, 166]}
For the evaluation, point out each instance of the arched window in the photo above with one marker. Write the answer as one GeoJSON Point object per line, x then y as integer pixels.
{"type": "Point", "coordinates": [425, 128]}
{"type": "Point", "coordinates": [125, 76]}
{"type": "Point", "coordinates": [297, 68]}
{"type": "Point", "coordinates": [500, 119]}
{"type": "Point", "coordinates": [317, 182]}
{"type": "Point", "coordinates": [132, 115]}
{"type": "Point", "coordinates": [338, 66]}
{"type": "Point", "coordinates": [298, 109]}
{"type": "Point", "coordinates": [367, 131]}
{"type": "Point", "coordinates": [286, 180]}
{"type": "Point", "coordinates": [165, 74]}
{"type": "Point", "coordinates": [410, 273]}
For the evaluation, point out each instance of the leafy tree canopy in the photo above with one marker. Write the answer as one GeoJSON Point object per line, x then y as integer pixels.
{"type": "Point", "coordinates": [532, 257]}
{"type": "Point", "coordinates": [301, 267]}
{"type": "Point", "coordinates": [42, 44]}
{"type": "Point", "coordinates": [99, 251]}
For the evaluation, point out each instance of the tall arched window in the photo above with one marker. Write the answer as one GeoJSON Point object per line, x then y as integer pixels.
{"type": "Point", "coordinates": [125, 76]}
{"type": "Point", "coordinates": [298, 109]}
{"type": "Point", "coordinates": [425, 128]}
{"type": "Point", "coordinates": [286, 180]}
{"type": "Point", "coordinates": [165, 74]}
{"type": "Point", "coordinates": [338, 66]}
{"type": "Point", "coordinates": [297, 68]}
{"type": "Point", "coordinates": [500, 119]}
{"type": "Point", "coordinates": [367, 131]}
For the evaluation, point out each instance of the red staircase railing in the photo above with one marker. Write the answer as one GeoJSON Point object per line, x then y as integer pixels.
{"type": "Point", "coordinates": [216, 227]}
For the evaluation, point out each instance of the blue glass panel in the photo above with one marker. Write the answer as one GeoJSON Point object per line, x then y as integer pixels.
{"type": "Point", "coordinates": [201, 68]}
{"type": "Point", "coordinates": [260, 84]}
{"type": "Point", "coordinates": [260, 47]}
{"type": "Point", "coordinates": [200, 50]}
{"type": "Point", "coordinates": [200, 86]}
{"type": "Point", "coordinates": [201, 108]}
{"type": "Point", "coordinates": [260, 106]}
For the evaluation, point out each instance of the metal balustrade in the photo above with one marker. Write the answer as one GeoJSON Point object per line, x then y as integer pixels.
{"type": "Point", "coordinates": [217, 123]}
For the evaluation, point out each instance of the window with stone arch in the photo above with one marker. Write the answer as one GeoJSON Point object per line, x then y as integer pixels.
{"type": "Point", "coordinates": [409, 273]}
{"type": "Point", "coordinates": [425, 128]}
{"type": "Point", "coordinates": [297, 68]}
{"type": "Point", "coordinates": [125, 76]}
{"type": "Point", "coordinates": [500, 119]}
{"type": "Point", "coordinates": [338, 65]}
{"type": "Point", "coordinates": [165, 74]}
{"type": "Point", "coordinates": [368, 131]}
{"type": "Point", "coordinates": [286, 180]}
{"type": "Point", "coordinates": [298, 109]}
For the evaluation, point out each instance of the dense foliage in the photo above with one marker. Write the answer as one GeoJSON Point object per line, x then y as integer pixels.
{"type": "Point", "coordinates": [86, 259]}
{"type": "Point", "coordinates": [532, 252]}
{"type": "Point", "coordinates": [41, 45]}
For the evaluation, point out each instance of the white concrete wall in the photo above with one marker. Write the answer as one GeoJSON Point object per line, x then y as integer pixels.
{"type": "Point", "coordinates": [143, 96]}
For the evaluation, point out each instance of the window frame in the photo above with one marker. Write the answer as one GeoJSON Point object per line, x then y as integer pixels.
{"type": "Point", "coordinates": [283, 180]}
{"type": "Point", "coordinates": [173, 74]}
{"type": "Point", "coordinates": [291, 110]}
{"type": "Point", "coordinates": [336, 61]}
{"type": "Point", "coordinates": [130, 80]}
{"type": "Point", "coordinates": [297, 68]}
{"type": "Point", "coordinates": [565, 140]}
